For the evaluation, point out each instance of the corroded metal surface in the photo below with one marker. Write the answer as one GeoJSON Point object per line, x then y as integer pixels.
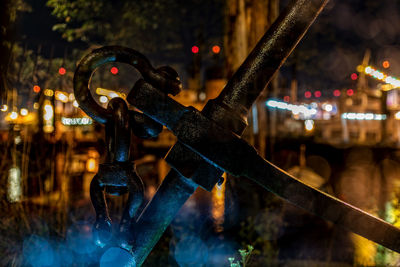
{"type": "Point", "coordinates": [117, 175]}
{"type": "Point", "coordinates": [98, 57]}
{"type": "Point", "coordinates": [229, 111]}
{"type": "Point", "coordinates": [230, 153]}
{"type": "Point", "coordinates": [209, 141]}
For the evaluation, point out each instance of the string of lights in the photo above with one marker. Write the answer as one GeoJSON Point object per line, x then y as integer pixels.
{"type": "Point", "coordinates": [381, 76]}
{"type": "Point", "coordinates": [363, 116]}
{"type": "Point", "coordinates": [306, 110]}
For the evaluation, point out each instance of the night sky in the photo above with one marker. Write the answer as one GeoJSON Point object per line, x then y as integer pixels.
{"type": "Point", "coordinates": [337, 41]}
{"type": "Point", "coordinates": [35, 28]}
{"type": "Point", "coordinates": [324, 60]}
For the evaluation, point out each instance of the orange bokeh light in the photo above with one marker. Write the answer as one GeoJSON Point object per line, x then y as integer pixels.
{"type": "Point", "coordinates": [386, 64]}
{"type": "Point", "coordinates": [216, 49]}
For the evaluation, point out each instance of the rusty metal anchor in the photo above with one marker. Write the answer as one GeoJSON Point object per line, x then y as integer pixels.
{"type": "Point", "coordinates": [117, 176]}
{"type": "Point", "coordinates": [209, 141]}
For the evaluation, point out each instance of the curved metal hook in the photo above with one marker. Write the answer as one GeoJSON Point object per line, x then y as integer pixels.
{"type": "Point", "coordinates": [107, 54]}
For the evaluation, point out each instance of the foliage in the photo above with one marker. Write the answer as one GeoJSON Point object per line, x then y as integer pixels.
{"type": "Point", "coordinates": [385, 256]}
{"type": "Point", "coordinates": [146, 25]}
{"type": "Point", "coordinates": [244, 255]}
{"type": "Point", "coordinates": [8, 15]}
{"type": "Point", "coordinates": [28, 69]}
{"type": "Point", "coordinates": [262, 230]}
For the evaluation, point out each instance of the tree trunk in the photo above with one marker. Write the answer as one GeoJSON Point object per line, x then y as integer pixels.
{"type": "Point", "coordinates": [247, 21]}
{"type": "Point", "coordinates": [6, 44]}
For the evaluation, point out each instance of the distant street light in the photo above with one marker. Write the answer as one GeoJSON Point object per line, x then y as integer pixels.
{"type": "Point", "coordinates": [23, 111]}
{"type": "Point", "coordinates": [13, 115]}
{"type": "Point", "coordinates": [62, 71]}
{"type": "Point", "coordinates": [350, 92]}
{"type": "Point", "coordinates": [195, 49]}
{"type": "Point", "coordinates": [103, 99]}
{"type": "Point", "coordinates": [397, 115]}
{"type": "Point", "coordinates": [114, 70]}
{"type": "Point", "coordinates": [336, 92]}
{"type": "Point", "coordinates": [386, 64]}
{"type": "Point", "coordinates": [216, 49]}
{"type": "Point", "coordinates": [309, 125]}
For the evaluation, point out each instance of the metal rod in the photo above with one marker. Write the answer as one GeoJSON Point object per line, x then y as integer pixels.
{"type": "Point", "coordinates": [269, 54]}
{"type": "Point", "coordinates": [158, 214]}
{"type": "Point", "coordinates": [237, 157]}
{"type": "Point", "coordinates": [240, 93]}
{"type": "Point", "coordinates": [323, 205]}
{"type": "Point", "coordinates": [224, 149]}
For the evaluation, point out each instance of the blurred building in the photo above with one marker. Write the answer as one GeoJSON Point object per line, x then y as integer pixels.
{"type": "Point", "coordinates": [354, 117]}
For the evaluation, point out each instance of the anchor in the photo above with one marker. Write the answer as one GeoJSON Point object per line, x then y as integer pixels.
{"type": "Point", "coordinates": [209, 141]}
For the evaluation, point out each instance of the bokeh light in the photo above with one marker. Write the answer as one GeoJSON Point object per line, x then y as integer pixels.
{"type": "Point", "coordinates": [114, 70]}
{"type": "Point", "coordinates": [195, 49]}
{"type": "Point", "coordinates": [116, 256]}
{"type": "Point", "coordinates": [286, 98]}
{"type": "Point", "coordinates": [350, 92]}
{"type": "Point", "coordinates": [336, 92]}
{"type": "Point", "coordinates": [62, 71]}
{"type": "Point", "coordinates": [37, 251]}
{"type": "Point", "coordinates": [191, 250]}
{"type": "Point", "coordinates": [216, 49]}
{"type": "Point", "coordinates": [386, 64]}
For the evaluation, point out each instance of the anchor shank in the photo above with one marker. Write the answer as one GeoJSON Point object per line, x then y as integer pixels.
{"type": "Point", "coordinates": [323, 205]}
{"type": "Point", "coordinates": [159, 212]}
{"type": "Point", "coordinates": [229, 111]}
{"type": "Point", "coordinates": [269, 54]}
{"type": "Point", "coordinates": [235, 156]}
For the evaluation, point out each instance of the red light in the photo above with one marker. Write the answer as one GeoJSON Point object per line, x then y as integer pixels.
{"type": "Point", "coordinates": [350, 92]}
{"type": "Point", "coordinates": [216, 49]}
{"type": "Point", "coordinates": [36, 88]}
{"type": "Point", "coordinates": [195, 49]}
{"type": "Point", "coordinates": [286, 98]}
{"type": "Point", "coordinates": [114, 70]}
{"type": "Point", "coordinates": [307, 94]}
{"type": "Point", "coordinates": [317, 94]}
{"type": "Point", "coordinates": [336, 93]}
{"type": "Point", "coordinates": [62, 71]}
{"type": "Point", "coordinates": [354, 76]}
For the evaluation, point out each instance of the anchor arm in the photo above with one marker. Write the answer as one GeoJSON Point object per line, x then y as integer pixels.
{"type": "Point", "coordinates": [229, 110]}
{"type": "Point", "coordinates": [228, 152]}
